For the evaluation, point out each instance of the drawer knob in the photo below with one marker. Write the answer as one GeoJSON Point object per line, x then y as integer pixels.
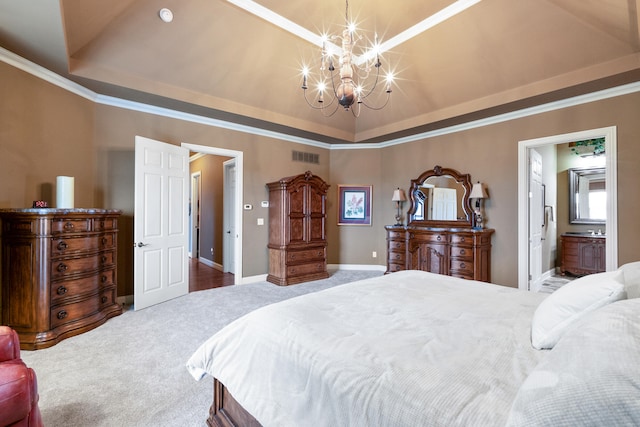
{"type": "Point", "coordinates": [462, 265]}
{"type": "Point", "coordinates": [62, 314]}
{"type": "Point", "coordinates": [103, 259]}
{"type": "Point", "coordinates": [462, 239]}
{"type": "Point", "coordinates": [104, 279]}
{"type": "Point", "coordinates": [61, 290]}
{"type": "Point", "coordinates": [104, 241]}
{"type": "Point", "coordinates": [103, 299]}
{"type": "Point", "coordinates": [439, 238]}
{"type": "Point", "coordinates": [62, 245]}
{"type": "Point", "coordinates": [293, 256]}
{"type": "Point", "coordinates": [62, 267]}
{"type": "Point", "coordinates": [68, 226]}
{"type": "Point", "coordinates": [101, 224]}
{"type": "Point", "coordinates": [462, 251]}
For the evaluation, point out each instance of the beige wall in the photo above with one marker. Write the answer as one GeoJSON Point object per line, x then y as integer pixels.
{"type": "Point", "coordinates": [46, 131]}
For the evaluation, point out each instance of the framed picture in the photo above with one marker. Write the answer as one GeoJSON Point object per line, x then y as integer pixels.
{"type": "Point", "coordinates": [354, 205]}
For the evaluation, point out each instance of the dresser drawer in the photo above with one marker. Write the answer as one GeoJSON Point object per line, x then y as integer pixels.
{"type": "Point", "coordinates": [396, 257]}
{"type": "Point", "coordinates": [313, 267]}
{"type": "Point", "coordinates": [68, 225]}
{"type": "Point", "coordinates": [392, 267]}
{"type": "Point", "coordinates": [463, 253]}
{"type": "Point", "coordinates": [305, 255]}
{"type": "Point", "coordinates": [462, 239]}
{"type": "Point", "coordinates": [105, 224]}
{"type": "Point", "coordinates": [430, 237]}
{"type": "Point", "coordinates": [107, 297]}
{"type": "Point", "coordinates": [66, 245]}
{"type": "Point", "coordinates": [396, 246]}
{"type": "Point", "coordinates": [68, 289]}
{"type": "Point", "coordinates": [71, 266]}
{"type": "Point", "coordinates": [395, 235]}
{"type": "Point", "coordinates": [68, 313]}
{"type": "Point", "coordinates": [461, 267]}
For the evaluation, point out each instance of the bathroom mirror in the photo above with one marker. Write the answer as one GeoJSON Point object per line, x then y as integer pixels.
{"type": "Point", "coordinates": [587, 196]}
{"type": "Point", "coordinates": [440, 197]}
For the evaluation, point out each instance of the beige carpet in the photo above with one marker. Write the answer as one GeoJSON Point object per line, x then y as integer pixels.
{"type": "Point", "coordinates": [130, 371]}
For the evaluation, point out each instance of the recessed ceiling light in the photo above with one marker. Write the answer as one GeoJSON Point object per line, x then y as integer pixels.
{"type": "Point", "coordinates": [166, 15]}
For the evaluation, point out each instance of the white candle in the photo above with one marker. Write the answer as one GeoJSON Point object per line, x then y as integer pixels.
{"type": "Point", "coordinates": [64, 192]}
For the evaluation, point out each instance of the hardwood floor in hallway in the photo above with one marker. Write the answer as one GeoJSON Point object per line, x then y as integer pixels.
{"type": "Point", "coordinates": [202, 277]}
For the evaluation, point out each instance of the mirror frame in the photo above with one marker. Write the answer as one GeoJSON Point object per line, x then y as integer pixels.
{"type": "Point", "coordinates": [462, 179]}
{"type": "Point", "coordinates": [573, 175]}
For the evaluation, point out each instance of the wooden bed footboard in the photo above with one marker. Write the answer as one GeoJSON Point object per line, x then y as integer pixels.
{"type": "Point", "coordinates": [226, 412]}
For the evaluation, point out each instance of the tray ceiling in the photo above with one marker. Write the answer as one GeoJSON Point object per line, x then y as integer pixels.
{"type": "Point", "coordinates": [219, 60]}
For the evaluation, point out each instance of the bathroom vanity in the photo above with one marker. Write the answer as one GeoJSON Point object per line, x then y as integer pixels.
{"type": "Point", "coordinates": [582, 253]}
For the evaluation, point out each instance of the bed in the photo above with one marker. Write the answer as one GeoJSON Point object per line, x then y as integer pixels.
{"type": "Point", "coordinates": [414, 348]}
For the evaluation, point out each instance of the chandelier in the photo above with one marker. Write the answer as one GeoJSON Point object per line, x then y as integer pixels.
{"type": "Point", "coordinates": [356, 79]}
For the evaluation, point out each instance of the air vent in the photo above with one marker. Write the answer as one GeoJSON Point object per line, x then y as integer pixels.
{"type": "Point", "coordinates": [300, 156]}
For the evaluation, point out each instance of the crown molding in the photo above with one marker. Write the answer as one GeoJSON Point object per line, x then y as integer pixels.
{"type": "Point", "coordinates": [73, 87]}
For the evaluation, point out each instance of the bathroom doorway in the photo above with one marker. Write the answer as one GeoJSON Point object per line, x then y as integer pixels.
{"type": "Point", "coordinates": [524, 196]}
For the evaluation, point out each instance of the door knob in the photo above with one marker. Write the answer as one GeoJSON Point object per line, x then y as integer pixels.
{"type": "Point", "coordinates": [140, 244]}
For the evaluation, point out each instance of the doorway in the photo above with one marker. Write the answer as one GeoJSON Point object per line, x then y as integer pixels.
{"type": "Point", "coordinates": [235, 205]}
{"type": "Point", "coordinates": [194, 215]}
{"type": "Point", "coordinates": [525, 202]}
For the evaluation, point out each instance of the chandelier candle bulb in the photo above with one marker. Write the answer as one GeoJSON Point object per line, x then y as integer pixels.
{"type": "Point", "coordinates": [65, 192]}
{"type": "Point", "coordinates": [355, 79]}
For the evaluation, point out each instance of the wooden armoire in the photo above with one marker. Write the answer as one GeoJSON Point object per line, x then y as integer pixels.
{"type": "Point", "coordinates": [297, 233]}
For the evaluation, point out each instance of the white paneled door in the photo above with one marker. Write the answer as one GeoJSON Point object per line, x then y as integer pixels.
{"type": "Point", "coordinates": [536, 211]}
{"type": "Point", "coordinates": [161, 234]}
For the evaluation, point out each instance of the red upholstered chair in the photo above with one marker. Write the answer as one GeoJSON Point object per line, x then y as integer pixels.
{"type": "Point", "coordinates": [18, 385]}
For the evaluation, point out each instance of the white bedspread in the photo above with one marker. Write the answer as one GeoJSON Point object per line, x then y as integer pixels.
{"type": "Point", "coordinates": [406, 349]}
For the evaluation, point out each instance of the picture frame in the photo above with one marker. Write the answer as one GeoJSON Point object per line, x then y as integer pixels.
{"type": "Point", "coordinates": [354, 205]}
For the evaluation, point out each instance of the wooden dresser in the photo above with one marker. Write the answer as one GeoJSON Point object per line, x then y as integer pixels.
{"type": "Point", "coordinates": [58, 272]}
{"type": "Point", "coordinates": [458, 252]}
{"type": "Point", "coordinates": [582, 254]}
{"type": "Point", "coordinates": [297, 234]}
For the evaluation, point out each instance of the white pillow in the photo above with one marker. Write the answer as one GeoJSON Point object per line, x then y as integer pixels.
{"type": "Point", "coordinates": [631, 278]}
{"type": "Point", "coordinates": [590, 378]}
{"type": "Point", "coordinates": [556, 314]}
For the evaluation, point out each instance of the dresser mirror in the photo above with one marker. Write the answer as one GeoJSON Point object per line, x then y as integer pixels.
{"type": "Point", "coordinates": [440, 198]}
{"type": "Point", "coordinates": [587, 196]}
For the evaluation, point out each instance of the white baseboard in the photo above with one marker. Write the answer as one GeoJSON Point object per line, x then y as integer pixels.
{"type": "Point", "coordinates": [211, 264]}
{"type": "Point", "coordinates": [253, 279]}
{"type": "Point", "coordinates": [125, 300]}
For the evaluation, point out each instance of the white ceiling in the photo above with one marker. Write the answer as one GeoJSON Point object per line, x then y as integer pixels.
{"type": "Point", "coordinates": [219, 60]}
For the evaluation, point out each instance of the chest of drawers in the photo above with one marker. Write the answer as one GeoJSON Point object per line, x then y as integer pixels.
{"type": "Point", "coordinates": [464, 253]}
{"type": "Point", "coordinates": [59, 274]}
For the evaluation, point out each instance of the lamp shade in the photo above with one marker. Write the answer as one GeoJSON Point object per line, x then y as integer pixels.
{"type": "Point", "coordinates": [399, 196]}
{"type": "Point", "coordinates": [478, 191]}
